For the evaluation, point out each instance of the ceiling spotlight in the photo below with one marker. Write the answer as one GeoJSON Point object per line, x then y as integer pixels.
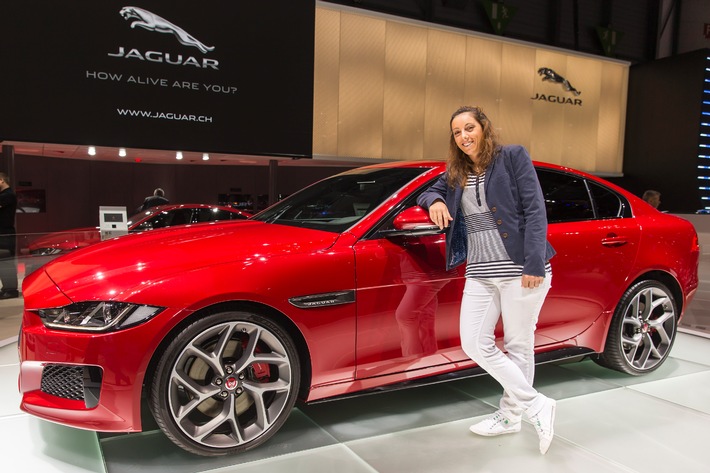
{"type": "Point", "coordinates": [92, 151]}
{"type": "Point", "coordinates": [205, 157]}
{"type": "Point", "coordinates": [122, 152]}
{"type": "Point", "coordinates": [178, 155]}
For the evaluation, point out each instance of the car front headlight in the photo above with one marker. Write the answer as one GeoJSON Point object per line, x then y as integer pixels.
{"type": "Point", "coordinates": [97, 316]}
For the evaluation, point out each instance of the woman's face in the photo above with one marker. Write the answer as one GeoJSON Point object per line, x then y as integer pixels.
{"type": "Point", "coordinates": [468, 134]}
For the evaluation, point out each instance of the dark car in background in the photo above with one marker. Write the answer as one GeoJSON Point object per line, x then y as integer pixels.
{"type": "Point", "coordinates": [156, 217]}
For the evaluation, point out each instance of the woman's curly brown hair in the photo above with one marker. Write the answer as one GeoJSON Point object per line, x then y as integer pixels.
{"type": "Point", "coordinates": [459, 165]}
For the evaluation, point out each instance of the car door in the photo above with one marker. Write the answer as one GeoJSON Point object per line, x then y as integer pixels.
{"type": "Point", "coordinates": [407, 304]}
{"type": "Point", "coordinates": [596, 239]}
{"type": "Point", "coordinates": [408, 311]}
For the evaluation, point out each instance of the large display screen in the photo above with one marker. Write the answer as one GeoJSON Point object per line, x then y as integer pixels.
{"type": "Point", "coordinates": [217, 76]}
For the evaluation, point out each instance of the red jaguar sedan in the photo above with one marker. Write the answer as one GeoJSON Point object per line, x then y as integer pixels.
{"type": "Point", "coordinates": [338, 290]}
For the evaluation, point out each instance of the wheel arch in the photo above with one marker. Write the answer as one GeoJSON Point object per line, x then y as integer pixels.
{"type": "Point", "coordinates": [655, 275]}
{"type": "Point", "coordinates": [668, 280]}
{"type": "Point", "coordinates": [244, 306]}
{"type": "Point", "coordinates": [654, 348]}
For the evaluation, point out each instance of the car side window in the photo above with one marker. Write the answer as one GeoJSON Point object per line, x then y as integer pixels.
{"type": "Point", "coordinates": [608, 203]}
{"type": "Point", "coordinates": [387, 224]}
{"type": "Point", "coordinates": [180, 217]}
{"type": "Point", "coordinates": [167, 219]}
{"type": "Point", "coordinates": [566, 197]}
{"type": "Point", "coordinates": [158, 220]}
{"type": "Point", "coordinates": [213, 215]}
{"type": "Point", "coordinates": [203, 215]}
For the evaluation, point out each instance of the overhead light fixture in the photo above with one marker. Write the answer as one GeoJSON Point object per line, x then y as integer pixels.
{"type": "Point", "coordinates": [122, 152]}
{"type": "Point", "coordinates": [178, 155]}
{"type": "Point", "coordinates": [205, 157]}
{"type": "Point", "coordinates": [92, 151]}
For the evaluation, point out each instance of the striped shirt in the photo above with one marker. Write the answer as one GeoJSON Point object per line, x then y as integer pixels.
{"type": "Point", "coordinates": [487, 256]}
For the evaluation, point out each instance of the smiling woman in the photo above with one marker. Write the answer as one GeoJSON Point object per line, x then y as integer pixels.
{"type": "Point", "coordinates": [501, 236]}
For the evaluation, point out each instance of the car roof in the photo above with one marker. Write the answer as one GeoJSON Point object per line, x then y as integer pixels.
{"type": "Point", "coordinates": [191, 206]}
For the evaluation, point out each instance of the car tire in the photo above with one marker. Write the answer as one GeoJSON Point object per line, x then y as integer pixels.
{"type": "Point", "coordinates": [642, 330]}
{"type": "Point", "coordinates": [225, 384]}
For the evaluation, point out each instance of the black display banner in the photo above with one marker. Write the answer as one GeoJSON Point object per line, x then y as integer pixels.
{"type": "Point", "coordinates": [231, 76]}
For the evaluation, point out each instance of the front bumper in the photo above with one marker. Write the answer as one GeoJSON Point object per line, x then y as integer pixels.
{"type": "Point", "coordinates": [86, 380]}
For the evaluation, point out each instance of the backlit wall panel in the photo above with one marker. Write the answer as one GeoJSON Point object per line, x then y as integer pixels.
{"type": "Point", "coordinates": [326, 67]}
{"type": "Point", "coordinates": [515, 116]}
{"type": "Point", "coordinates": [612, 117]}
{"type": "Point", "coordinates": [361, 86]}
{"type": "Point", "coordinates": [400, 80]}
{"type": "Point", "coordinates": [547, 143]}
{"type": "Point", "coordinates": [404, 91]}
{"type": "Point", "coordinates": [446, 74]}
{"type": "Point", "coordinates": [581, 139]}
{"type": "Point", "coordinates": [483, 73]}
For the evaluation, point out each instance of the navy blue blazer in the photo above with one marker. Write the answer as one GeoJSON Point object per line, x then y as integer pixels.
{"type": "Point", "coordinates": [515, 198]}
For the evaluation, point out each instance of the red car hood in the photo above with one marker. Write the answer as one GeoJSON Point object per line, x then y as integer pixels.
{"type": "Point", "coordinates": [125, 263]}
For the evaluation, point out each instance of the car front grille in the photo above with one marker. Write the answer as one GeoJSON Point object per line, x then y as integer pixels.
{"type": "Point", "coordinates": [77, 383]}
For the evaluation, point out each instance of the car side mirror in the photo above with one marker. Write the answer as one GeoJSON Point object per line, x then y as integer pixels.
{"type": "Point", "coordinates": [413, 221]}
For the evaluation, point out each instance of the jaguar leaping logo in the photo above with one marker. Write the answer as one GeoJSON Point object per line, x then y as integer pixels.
{"type": "Point", "coordinates": [152, 22]}
{"type": "Point", "coordinates": [551, 76]}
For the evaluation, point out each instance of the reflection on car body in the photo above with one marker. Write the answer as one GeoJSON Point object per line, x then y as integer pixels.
{"type": "Point", "coordinates": [338, 290]}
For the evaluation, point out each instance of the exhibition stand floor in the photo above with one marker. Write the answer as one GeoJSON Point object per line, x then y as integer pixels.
{"type": "Point", "coordinates": [606, 422]}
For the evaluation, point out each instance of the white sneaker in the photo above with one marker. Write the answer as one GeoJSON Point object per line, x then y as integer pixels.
{"type": "Point", "coordinates": [497, 424]}
{"type": "Point", "coordinates": [544, 424]}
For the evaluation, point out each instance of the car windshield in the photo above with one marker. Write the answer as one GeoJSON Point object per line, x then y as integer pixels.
{"type": "Point", "coordinates": [337, 203]}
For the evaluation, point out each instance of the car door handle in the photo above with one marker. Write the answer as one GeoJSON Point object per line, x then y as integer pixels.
{"type": "Point", "coordinates": [613, 240]}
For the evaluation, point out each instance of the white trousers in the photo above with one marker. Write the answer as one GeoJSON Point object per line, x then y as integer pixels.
{"type": "Point", "coordinates": [484, 302]}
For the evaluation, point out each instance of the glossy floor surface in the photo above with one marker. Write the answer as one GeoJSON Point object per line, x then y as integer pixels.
{"type": "Point", "coordinates": [606, 422]}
